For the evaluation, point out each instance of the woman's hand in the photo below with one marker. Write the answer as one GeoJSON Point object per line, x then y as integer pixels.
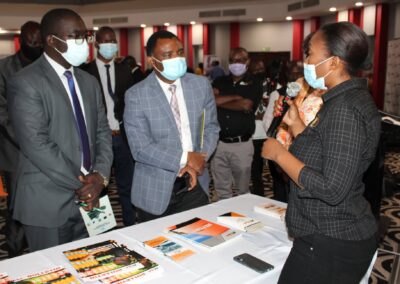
{"type": "Point", "coordinates": [271, 149]}
{"type": "Point", "coordinates": [292, 115]}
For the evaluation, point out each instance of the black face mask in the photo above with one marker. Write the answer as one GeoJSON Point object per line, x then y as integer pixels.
{"type": "Point", "coordinates": [32, 53]}
{"type": "Point", "coordinates": [260, 76]}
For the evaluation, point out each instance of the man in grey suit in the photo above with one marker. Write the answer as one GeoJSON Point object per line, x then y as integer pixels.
{"type": "Point", "coordinates": [163, 121]}
{"type": "Point", "coordinates": [60, 123]}
{"type": "Point", "coordinates": [30, 50]}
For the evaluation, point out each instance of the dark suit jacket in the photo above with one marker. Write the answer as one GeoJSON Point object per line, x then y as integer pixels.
{"type": "Point", "coordinates": [8, 145]}
{"type": "Point", "coordinates": [44, 123]}
{"type": "Point", "coordinates": [123, 81]}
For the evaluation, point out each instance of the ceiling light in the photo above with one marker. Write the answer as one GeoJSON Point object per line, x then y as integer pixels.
{"type": "Point", "coordinates": [289, 18]}
{"type": "Point", "coordinates": [143, 25]}
{"type": "Point", "coordinates": [192, 22]}
{"type": "Point", "coordinates": [359, 4]}
{"type": "Point", "coordinates": [95, 28]}
{"type": "Point", "coordinates": [260, 19]}
{"type": "Point", "coordinates": [166, 24]}
{"type": "Point", "coordinates": [332, 9]}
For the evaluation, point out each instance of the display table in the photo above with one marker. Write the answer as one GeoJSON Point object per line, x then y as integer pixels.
{"type": "Point", "coordinates": [270, 244]}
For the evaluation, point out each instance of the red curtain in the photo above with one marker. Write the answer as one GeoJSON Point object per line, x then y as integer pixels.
{"type": "Point", "coordinates": [298, 35]}
{"type": "Point", "coordinates": [16, 43]}
{"type": "Point", "coordinates": [206, 39]}
{"type": "Point", "coordinates": [190, 47]}
{"type": "Point", "coordinates": [235, 35]}
{"type": "Point", "coordinates": [123, 42]}
{"type": "Point", "coordinates": [380, 56]}
{"type": "Point", "coordinates": [180, 33]}
{"type": "Point", "coordinates": [356, 16]}
{"type": "Point", "coordinates": [315, 24]}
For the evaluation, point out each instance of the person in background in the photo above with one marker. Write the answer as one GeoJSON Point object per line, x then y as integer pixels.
{"type": "Point", "coordinates": [257, 69]}
{"type": "Point", "coordinates": [31, 49]}
{"type": "Point", "coordinates": [167, 133]}
{"type": "Point", "coordinates": [114, 79]}
{"type": "Point", "coordinates": [237, 96]}
{"type": "Point", "coordinates": [215, 71]}
{"type": "Point", "coordinates": [200, 69]}
{"type": "Point", "coordinates": [57, 113]}
{"type": "Point", "coordinates": [334, 230]}
{"type": "Point", "coordinates": [136, 70]}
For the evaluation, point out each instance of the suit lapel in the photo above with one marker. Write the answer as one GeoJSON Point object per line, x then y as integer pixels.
{"type": "Point", "coordinates": [161, 99]}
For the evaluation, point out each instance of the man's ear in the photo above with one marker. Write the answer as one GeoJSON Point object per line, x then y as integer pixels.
{"type": "Point", "coordinates": [96, 45]}
{"type": "Point", "coordinates": [150, 61]}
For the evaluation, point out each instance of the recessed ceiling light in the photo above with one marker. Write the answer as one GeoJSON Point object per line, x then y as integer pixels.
{"type": "Point", "coordinates": [95, 28]}
{"type": "Point", "coordinates": [359, 4]}
{"type": "Point", "coordinates": [289, 18]}
{"type": "Point", "coordinates": [142, 25]}
{"type": "Point", "coordinates": [192, 22]}
{"type": "Point", "coordinates": [260, 19]}
{"type": "Point", "coordinates": [166, 24]}
{"type": "Point", "coordinates": [332, 9]}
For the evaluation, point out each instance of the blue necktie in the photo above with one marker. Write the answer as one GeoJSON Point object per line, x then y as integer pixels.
{"type": "Point", "coordinates": [80, 121]}
{"type": "Point", "coordinates": [109, 87]}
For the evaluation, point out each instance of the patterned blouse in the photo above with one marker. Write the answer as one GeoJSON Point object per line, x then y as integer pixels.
{"type": "Point", "coordinates": [308, 105]}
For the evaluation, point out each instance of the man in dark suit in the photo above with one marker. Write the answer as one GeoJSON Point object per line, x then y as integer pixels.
{"type": "Point", "coordinates": [31, 49]}
{"type": "Point", "coordinates": [115, 78]}
{"type": "Point", "coordinates": [60, 124]}
{"type": "Point", "coordinates": [172, 128]}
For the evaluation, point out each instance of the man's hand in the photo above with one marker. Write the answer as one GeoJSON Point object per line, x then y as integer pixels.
{"type": "Point", "coordinates": [90, 191]}
{"type": "Point", "coordinates": [193, 176]}
{"type": "Point", "coordinates": [197, 161]}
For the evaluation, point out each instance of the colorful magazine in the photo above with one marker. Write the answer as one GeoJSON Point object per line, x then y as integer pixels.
{"type": "Point", "coordinates": [202, 232]}
{"type": "Point", "coordinates": [271, 209]}
{"type": "Point", "coordinates": [240, 222]}
{"type": "Point", "coordinates": [110, 262]}
{"type": "Point", "coordinates": [171, 249]}
{"type": "Point", "coordinates": [56, 275]}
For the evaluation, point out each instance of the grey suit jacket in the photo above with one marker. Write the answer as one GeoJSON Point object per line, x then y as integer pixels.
{"type": "Point", "coordinates": [8, 150]}
{"type": "Point", "coordinates": [50, 160]}
{"type": "Point", "coordinates": [154, 138]}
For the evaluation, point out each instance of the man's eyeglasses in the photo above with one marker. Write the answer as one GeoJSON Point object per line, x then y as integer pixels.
{"type": "Point", "coordinates": [80, 39]}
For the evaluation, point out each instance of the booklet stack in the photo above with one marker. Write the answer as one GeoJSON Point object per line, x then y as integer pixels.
{"type": "Point", "coordinates": [271, 209]}
{"type": "Point", "coordinates": [204, 233]}
{"type": "Point", "coordinates": [56, 275]}
{"type": "Point", "coordinates": [111, 262]}
{"type": "Point", "coordinates": [240, 222]}
{"type": "Point", "coordinates": [169, 248]}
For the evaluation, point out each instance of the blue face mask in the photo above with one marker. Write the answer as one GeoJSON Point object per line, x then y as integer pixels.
{"type": "Point", "coordinates": [76, 54]}
{"type": "Point", "coordinates": [108, 50]}
{"type": "Point", "coordinates": [174, 68]}
{"type": "Point", "coordinates": [311, 76]}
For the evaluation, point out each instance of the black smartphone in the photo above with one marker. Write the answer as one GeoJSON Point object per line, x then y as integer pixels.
{"type": "Point", "coordinates": [253, 262]}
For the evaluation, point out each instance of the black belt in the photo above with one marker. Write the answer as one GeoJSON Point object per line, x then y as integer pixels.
{"type": "Point", "coordinates": [236, 139]}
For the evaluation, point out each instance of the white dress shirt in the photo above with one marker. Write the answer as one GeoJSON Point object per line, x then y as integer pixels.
{"type": "Point", "coordinates": [60, 70]}
{"type": "Point", "coordinates": [186, 137]}
{"type": "Point", "coordinates": [112, 121]}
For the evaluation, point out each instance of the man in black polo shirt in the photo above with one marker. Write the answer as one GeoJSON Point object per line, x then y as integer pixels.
{"type": "Point", "coordinates": [237, 95]}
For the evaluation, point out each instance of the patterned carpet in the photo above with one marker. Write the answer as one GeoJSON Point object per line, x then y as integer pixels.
{"type": "Point", "coordinates": [390, 214]}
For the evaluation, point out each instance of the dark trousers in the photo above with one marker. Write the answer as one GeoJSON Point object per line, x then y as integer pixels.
{"type": "Point", "coordinates": [41, 238]}
{"type": "Point", "coordinates": [15, 238]}
{"type": "Point", "coordinates": [280, 186]}
{"type": "Point", "coordinates": [317, 259]}
{"type": "Point", "coordinates": [123, 169]}
{"type": "Point", "coordinates": [257, 167]}
{"type": "Point", "coordinates": [179, 202]}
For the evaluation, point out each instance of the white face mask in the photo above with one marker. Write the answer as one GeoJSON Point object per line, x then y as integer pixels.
{"type": "Point", "coordinates": [108, 50]}
{"type": "Point", "coordinates": [76, 54]}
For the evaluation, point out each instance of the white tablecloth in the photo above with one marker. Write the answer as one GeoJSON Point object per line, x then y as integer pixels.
{"type": "Point", "coordinates": [270, 244]}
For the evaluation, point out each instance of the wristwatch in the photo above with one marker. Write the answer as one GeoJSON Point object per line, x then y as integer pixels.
{"type": "Point", "coordinates": [105, 179]}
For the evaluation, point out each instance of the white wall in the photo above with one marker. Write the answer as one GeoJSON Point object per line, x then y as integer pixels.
{"type": "Point", "coordinates": [307, 28]}
{"type": "Point", "coordinates": [197, 34]}
{"type": "Point", "coordinates": [134, 43]}
{"type": "Point", "coordinates": [343, 16]}
{"type": "Point", "coordinates": [267, 36]}
{"type": "Point", "coordinates": [369, 19]}
{"type": "Point", "coordinates": [220, 42]}
{"type": "Point", "coordinates": [6, 45]}
{"type": "Point", "coordinates": [328, 19]}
